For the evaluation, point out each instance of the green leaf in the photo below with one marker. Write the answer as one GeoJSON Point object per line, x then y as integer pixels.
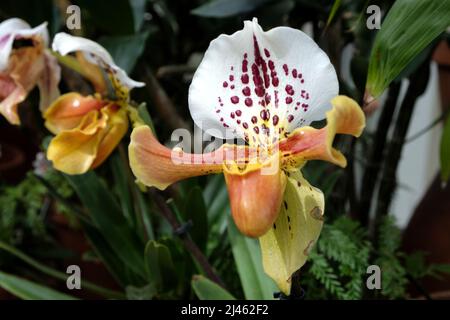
{"type": "Point", "coordinates": [138, 8]}
{"type": "Point", "coordinates": [159, 266]}
{"type": "Point", "coordinates": [445, 152]}
{"type": "Point", "coordinates": [247, 255]}
{"type": "Point", "coordinates": [227, 8]}
{"type": "Point", "coordinates": [113, 17]}
{"type": "Point", "coordinates": [194, 209]}
{"type": "Point", "coordinates": [125, 50]}
{"type": "Point", "coordinates": [122, 187]}
{"type": "Point", "coordinates": [333, 11]}
{"type": "Point", "coordinates": [108, 218]}
{"type": "Point", "coordinates": [146, 117]}
{"type": "Point", "coordinates": [408, 28]}
{"type": "Point", "coordinates": [205, 289]}
{"type": "Point", "coordinates": [29, 290]}
{"type": "Point", "coordinates": [57, 274]}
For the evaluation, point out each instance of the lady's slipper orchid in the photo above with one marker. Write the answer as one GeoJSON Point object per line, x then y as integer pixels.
{"type": "Point", "coordinates": [88, 128]}
{"type": "Point", "coordinates": [25, 63]}
{"type": "Point", "coordinates": [266, 88]}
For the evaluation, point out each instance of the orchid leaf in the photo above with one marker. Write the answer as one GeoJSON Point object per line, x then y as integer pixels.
{"type": "Point", "coordinates": [195, 210]}
{"type": "Point", "coordinates": [159, 266]}
{"type": "Point", "coordinates": [125, 50]}
{"type": "Point", "coordinates": [227, 8]}
{"type": "Point", "coordinates": [205, 289]}
{"type": "Point", "coordinates": [108, 218]}
{"type": "Point", "coordinates": [287, 245]}
{"type": "Point", "coordinates": [28, 290]}
{"type": "Point", "coordinates": [247, 255]}
{"type": "Point", "coordinates": [409, 27]}
{"type": "Point", "coordinates": [445, 152]}
{"type": "Point", "coordinates": [333, 11]}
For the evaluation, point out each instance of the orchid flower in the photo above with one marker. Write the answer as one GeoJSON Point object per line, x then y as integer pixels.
{"type": "Point", "coordinates": [88, 128]}
{"type": "Point", "coordinates": [25, 63]}
{"type": "Point", "coordinates": [265, 88]}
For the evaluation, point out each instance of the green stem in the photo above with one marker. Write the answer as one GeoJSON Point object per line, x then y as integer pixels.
{"type": "Point", "coordinates": [107, 293]}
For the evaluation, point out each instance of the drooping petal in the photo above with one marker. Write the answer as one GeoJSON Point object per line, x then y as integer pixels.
{"type": "Point", "coordinates": [285, 247]}
{"type": "Point", "coordinates": [11, 95]}
{"type": "Point", "coordinates": [254, 81]}
{"type": "Point", "coordinates": [116, 128]}
{"type": "Point", "coordinates": [255, 198]}
{"type": "Point", "coordinates": [48, 82]}
{"type": "Point", "coordinates": [158, 166]}
{"type": "Point", "coordinates": [346, 117]}
{"type": "Point", "coordinates": [74, 151]}
{"type": "Point", "coordinates": [25, 66]}
{"type": "Point", "coordinates": [68, 110]}
{"type": "Point", "coordinates": [93, 73]}
{"type": "Point", "coordinates": [15, 28]}
{"type": "Point", "coordinates": [95, 54]}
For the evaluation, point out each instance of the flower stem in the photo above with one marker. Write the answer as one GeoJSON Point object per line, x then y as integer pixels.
{"type": "Point", "coordinates": [185, 238]}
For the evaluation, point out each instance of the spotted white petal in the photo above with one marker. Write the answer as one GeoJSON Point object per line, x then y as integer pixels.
{"type": "Point", "coordinates": [253, 81]}
{"type": "Point", "coordinates": [65, 43]}
{"type": "Point", "coordinates": [13, 29]}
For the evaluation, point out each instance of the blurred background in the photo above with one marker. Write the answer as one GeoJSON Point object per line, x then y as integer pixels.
{"type": "Point", "coordinates": [391, 206]}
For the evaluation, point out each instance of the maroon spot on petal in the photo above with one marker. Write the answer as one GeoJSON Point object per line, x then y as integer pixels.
{"type": "Point", "coordinates": [267, 98]}
{"type": "Point", "coordinates": [288, 100]}
{"type": "Point", "coordinates": [286, 69]}
{"type": "Point", "coordinates": [271, 65]}
{"type": "Point", "coordinates": [238, 121]}
{"type": "Point", "coordinates": [232, 87]}
{"type": "Point", "coordinates": [275, 120]}
{"type": "Point", "coordinates": [302, 81]}
{"type": "Point", "coordinates": [254, 120]}
{"type": "Point", "coordinates": [234, 99]}
{"type": "Point", "coordinates": [265, 115]}
{"type": "Point", "coordinates": [221, 119]}
{"type": "Point", "coordinates": [232, 115]}
{"type": "Point", "coordinates": [259, 91]}
{"type": "Point", "coordinates": [244, 78]}
{"type": "Point", "coordinates": [225, 84]}
{"type": "Point", "coordinates": [231, 77]}
{"type": "Point", "coordinates": [275, 81]}
{"type": "Point", "coordinates": [266, 52]}
{"type": "Point", "coordinates": [294, 73]}
{"type": "Point", "coordinates": [289, 90]}
{"type": "Point", "coordinates": [218, 110]}
{"type": "Point", "coordinates": [246, 91]}
{"type": "Point", "coordinates": [245, 125]}
{"type": "Point", "coordinates": [290, 118]}
{"type": "Point", "coordinates": [256, 129]}
{"type": "Point", "coordinates": [248, 102]}
{"type": "Point", "coordinates": [238, 113]}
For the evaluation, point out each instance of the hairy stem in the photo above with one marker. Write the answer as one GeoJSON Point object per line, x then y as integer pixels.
{"type": "Point", "coordinates": [388, 183]}
{"type": "Point", "coordinates": [373, 166]}
{"type": "Point", "coordinates": [186, 239]}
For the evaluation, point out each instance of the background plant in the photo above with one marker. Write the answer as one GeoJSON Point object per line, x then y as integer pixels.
{"type": "Point", "coordinates": [181, 243]}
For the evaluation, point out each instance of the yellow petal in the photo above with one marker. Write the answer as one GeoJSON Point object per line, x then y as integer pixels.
{"type": "Point", "coordinates": [74, 151]}
{"type": "Point", "coordinates": [116, 128]}
{"type": "Point", "coordinates": [307, 143]}
{"type": "Point", "coordinates": [285, 247]}
{"type": "Point", "coordinates": [93, 73]}
{"type": "Point", "coordinates": [158, 166]}
{"type": "Point", "coordinates": [255, 198]}
{"type": "Point", "coordinates": [68, 110]}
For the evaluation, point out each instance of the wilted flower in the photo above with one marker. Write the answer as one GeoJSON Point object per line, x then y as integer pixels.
{"type": "Point", "coordinates": [266, 88]}
{"type": "Point", "coordinates": [88, 128]}
{"type": "Point", "coordinates": [25, 62]}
